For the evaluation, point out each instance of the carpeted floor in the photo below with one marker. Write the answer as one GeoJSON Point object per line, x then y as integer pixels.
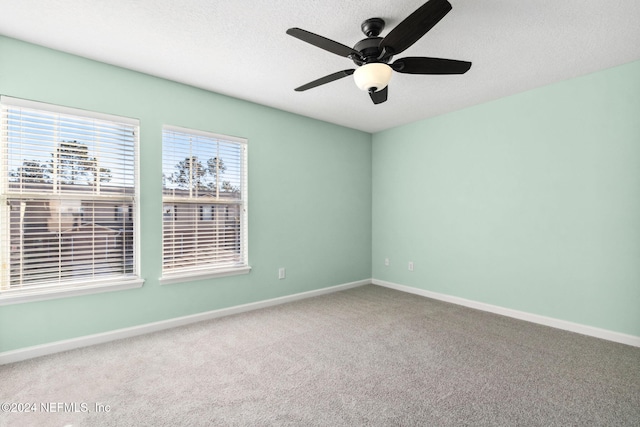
{"type": "Point", "coordinates": [366, 356]}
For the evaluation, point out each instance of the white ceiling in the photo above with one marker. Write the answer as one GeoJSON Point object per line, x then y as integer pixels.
{"type": "Point", "coordinates": [239, 48]}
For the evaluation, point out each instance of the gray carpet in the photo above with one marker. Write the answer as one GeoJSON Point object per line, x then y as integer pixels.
{"type": "Point", "coordinates": [367, 356]}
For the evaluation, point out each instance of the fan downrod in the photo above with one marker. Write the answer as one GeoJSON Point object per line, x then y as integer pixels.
{"type": "Point", "coordinates": [372, 27]}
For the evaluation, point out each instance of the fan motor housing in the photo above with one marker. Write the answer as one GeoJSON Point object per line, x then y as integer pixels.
{"type": "Point", "coordinates": [370, 51]}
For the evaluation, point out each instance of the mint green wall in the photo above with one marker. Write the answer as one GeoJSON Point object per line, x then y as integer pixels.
{"type": "Point", "coordinates": [530, 202]}
{"type": "Point", "coordinates": [309, 196]}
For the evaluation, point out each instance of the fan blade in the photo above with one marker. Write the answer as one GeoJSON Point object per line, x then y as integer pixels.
{"type": "Point", "coordinates": [419, 65]}
{"type": "Point", "coordinates": [326, 79]}
{"type": "Point", "coordinates": [380, 96]}
{"type": "Point", "coordinates": [322, 42]}
{"type": "Point", "coordinates": [415, 26]}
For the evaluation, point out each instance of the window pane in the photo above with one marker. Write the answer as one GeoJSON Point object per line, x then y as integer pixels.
{"type": "Point", "coordinates": [46, 154]}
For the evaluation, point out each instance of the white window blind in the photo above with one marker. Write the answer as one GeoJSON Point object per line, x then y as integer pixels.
{"type": "Point", "coordinates": [204, 203]}
{"type": "Point", "coordinates": [68, 195]}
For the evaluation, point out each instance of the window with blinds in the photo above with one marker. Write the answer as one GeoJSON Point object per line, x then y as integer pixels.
{"type": "Point", "coordinates": [204, 183]}
{"type": "Point", "coordinates": [68, 195]}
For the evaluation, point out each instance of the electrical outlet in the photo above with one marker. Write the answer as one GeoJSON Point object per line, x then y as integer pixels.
{"type": "Point", "coordinates": [386, 262]}
{"type": "Point", "coordinates": [281, 273]}
{"type": "Point", "coordinates": [410, 265]}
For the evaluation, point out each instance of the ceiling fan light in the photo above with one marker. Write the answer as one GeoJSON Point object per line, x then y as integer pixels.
{"type": "Point", "coordinates": [373, 75]}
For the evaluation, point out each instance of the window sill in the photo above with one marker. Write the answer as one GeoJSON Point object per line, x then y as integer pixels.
{"type": "Point", "coordinates": [186, 277]}
{"type": "Point", "coordinates": [18, 297]}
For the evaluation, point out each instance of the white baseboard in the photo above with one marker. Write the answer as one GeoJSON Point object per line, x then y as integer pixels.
{"type": "Point", "coordinates": [529, 317]}
{"type": "Point", "coordinates": [85, 341]}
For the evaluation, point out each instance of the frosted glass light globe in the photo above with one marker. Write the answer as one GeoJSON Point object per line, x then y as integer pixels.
{"type": "Point", "coordinates": [374, 75]}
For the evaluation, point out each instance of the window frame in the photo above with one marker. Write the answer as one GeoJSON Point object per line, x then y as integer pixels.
{"type": "Point", "coordinates": [66, 287]}
{"type": "Point", "coordinates": [207, 271]}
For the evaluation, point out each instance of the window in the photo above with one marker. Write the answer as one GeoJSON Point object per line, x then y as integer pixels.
{"type": "Point", "coordinates": [68, 194]}
{"type": "Point", "coordinates": [204, 178]}
{"type": "Point", "coordinates": [206, 213]}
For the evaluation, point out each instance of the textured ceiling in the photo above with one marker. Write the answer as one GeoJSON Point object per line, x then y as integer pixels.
{"type": "Point", "coordinates": [240, 48]}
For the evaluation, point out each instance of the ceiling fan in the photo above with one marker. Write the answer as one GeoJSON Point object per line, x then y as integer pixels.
{"type": "Point", "coordinates": [372, 55]}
